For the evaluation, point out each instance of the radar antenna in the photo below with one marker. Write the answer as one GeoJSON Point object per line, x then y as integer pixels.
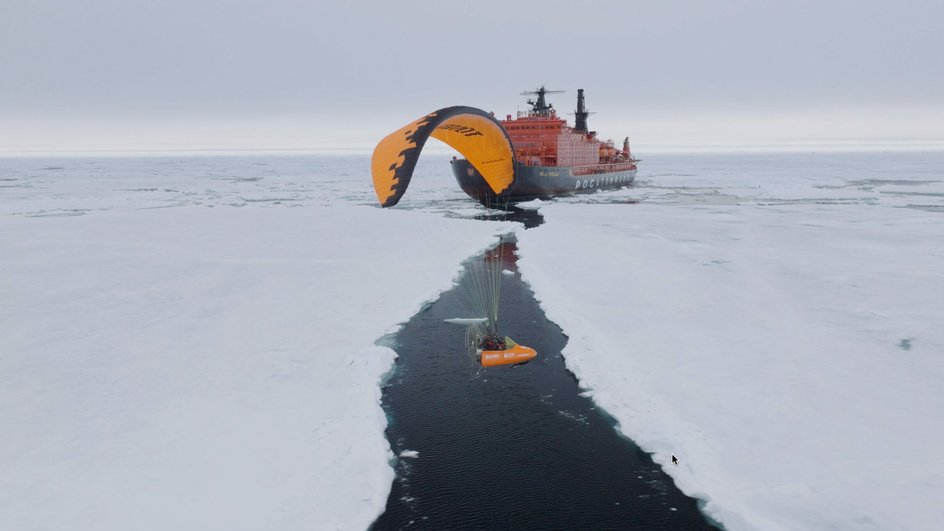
{"type": "Point", "coordinates": [540, 106]}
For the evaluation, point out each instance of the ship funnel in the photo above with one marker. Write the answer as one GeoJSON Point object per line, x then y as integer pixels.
{"type": "Point", "coordinates": [580, 120]}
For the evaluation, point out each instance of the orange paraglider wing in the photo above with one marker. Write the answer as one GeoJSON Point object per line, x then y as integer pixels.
{"type": "Point", "coordinates": [472, 132]}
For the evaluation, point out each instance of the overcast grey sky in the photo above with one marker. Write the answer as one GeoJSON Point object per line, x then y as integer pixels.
{"type": "Point", "coordinates": [124, 74]}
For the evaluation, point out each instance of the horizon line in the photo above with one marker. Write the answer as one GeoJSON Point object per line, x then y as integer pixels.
{"type": "Point", "coordinates": [860, 146]}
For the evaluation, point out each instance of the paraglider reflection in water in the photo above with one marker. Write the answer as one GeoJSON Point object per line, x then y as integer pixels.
{"type": "Point", "coordinates": [472, 132]}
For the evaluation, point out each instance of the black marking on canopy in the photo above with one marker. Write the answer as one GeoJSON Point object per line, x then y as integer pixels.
{"type": "Point", "coordinates": [403, 172]}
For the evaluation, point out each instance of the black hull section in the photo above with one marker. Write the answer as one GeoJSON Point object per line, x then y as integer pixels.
{"type": "Point", "coordinates": [538, 182]}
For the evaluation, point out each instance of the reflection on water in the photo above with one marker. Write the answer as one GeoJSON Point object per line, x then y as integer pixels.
{"type": "Point", "coordinates": [530, 218]}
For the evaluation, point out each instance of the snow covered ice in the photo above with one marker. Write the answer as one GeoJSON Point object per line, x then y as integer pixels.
{"type": "Point", "coordinates": [749, 316]}
{"type": "Point", "coordinates": [189, 342]}
{"type": "Point", "coordinates": [180, 349]}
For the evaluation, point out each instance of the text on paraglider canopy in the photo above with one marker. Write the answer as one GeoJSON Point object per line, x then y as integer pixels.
{"type": "Point", "coordinates": [461, 129]}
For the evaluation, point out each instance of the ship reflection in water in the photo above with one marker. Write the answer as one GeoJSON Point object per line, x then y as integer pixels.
{"type": "Point", "coordinates": [530, 218]}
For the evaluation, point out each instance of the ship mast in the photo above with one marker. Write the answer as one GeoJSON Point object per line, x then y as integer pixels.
{"type": "Point", "coordinates": [541, 107]}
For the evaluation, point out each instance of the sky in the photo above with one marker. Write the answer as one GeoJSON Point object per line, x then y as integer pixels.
{"type": "Point", "coordinates": [252, 74]}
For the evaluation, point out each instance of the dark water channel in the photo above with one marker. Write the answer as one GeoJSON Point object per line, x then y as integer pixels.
{"type": "Point", "coordinates": [511, 447]}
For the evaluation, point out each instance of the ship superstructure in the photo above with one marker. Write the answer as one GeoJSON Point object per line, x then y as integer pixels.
{"type": "Point", "coordinates": [552, 158]}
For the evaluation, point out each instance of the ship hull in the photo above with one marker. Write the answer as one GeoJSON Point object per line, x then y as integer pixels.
{"type": "Point", "coordinates": [543, 182]}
